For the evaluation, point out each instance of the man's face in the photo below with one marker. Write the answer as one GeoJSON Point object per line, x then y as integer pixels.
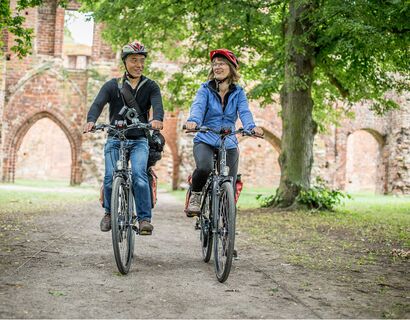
{"type": "Point", "coordinates": [135, 64]}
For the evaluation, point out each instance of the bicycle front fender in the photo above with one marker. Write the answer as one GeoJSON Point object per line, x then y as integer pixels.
{"type": "Point", "coordinates": [222, 180]}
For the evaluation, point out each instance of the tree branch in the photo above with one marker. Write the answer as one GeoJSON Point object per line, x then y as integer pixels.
{"type": "Point", "coordinates": [333, 80]}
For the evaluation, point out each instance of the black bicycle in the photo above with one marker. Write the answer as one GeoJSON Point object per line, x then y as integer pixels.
{"type": "Point", "coordinates": [123, 211]}
{"type": "Point", "coordinates": [218, 210]}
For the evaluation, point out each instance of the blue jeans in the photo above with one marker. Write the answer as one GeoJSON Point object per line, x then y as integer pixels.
{"type": "Point", "coordinates": [138, 154]}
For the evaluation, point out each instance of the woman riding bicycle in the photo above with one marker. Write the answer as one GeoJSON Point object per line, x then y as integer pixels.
{"type": "Point", "coordinates": [217, 105]}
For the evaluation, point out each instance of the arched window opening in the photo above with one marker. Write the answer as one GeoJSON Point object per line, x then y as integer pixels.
{"type": "Point", "coordinates": [258, 164]}
{"type": "Point", "coordinates": [44, 154]}
{"type": "Point", "coordinates": [363, 162]}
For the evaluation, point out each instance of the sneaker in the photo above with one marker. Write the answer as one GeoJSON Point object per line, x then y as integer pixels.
{"type": "Point", "coordinates": [105, 224]}
{"type": "Point", "coordinates": [194, 206]}
{"type": "Point", "coordinates": [145, 228]}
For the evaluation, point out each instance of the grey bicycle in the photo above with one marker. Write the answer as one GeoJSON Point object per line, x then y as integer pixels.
{"type": "Point", "coordinates": [218, 210]}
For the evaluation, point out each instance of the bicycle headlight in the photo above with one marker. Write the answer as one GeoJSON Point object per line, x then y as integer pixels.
{"type": "Point", "coordinates": [119, 165]}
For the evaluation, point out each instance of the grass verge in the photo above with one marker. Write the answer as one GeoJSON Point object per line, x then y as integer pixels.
{"type": "Point", "coordinates": [366, 230]}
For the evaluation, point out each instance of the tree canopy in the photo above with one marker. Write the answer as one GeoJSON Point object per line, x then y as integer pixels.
{"type": "Point", "coordinates": [359, 46]}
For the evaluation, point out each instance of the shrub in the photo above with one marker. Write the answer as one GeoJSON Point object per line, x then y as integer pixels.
{"type": "Point", "coordinates": [266, 201]}
{"type": "Point", "coordinates": [321, 197]}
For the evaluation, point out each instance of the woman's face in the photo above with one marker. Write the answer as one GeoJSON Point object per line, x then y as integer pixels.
{"type": "Point", "coordinates": [220, 68]}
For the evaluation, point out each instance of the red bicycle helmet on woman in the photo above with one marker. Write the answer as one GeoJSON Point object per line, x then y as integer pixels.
{"type": "Point", "coordinates": [228, 54]}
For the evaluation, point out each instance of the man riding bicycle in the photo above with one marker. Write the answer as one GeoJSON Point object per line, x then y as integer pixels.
{"type": "Point", "coordinates": [147, 94]}
{"type": "Point", "coordinates": [217, 105]}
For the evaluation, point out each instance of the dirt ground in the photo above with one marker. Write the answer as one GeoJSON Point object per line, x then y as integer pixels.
{"type": "Point", "coordinates": [59, 265]}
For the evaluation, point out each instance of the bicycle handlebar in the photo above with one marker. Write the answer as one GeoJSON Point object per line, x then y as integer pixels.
{"type": "Point", "coordinates": [223, 132]}
{"type": "Point", "coordinates": [122, 129]}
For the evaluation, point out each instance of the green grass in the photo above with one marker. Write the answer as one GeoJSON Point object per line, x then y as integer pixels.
{"type": "Point", "coordinates": [49, 184]}
{"type": "Point", "coordinates": [359, 233]}
{"type": "Point", "coordinates": [39, 197]}
{"type": "Point", "coordinates": [178, 194]}
{"type": "Point", "coordinates": [386, 205]}
{"type": "Point", "coordinates": [247, 199]}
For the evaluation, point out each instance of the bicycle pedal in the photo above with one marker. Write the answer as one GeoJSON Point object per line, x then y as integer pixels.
{"type": "Point", "coordinates": [197, 226]}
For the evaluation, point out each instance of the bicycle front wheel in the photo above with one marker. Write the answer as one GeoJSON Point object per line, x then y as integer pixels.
{"type": "Point", "coordinates": [121, 228]}
{"type": "Point", "coordinates": [224, 238]}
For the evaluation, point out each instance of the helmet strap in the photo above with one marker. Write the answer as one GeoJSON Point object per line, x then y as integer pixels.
{"type": "Point", "coordinates": [129, 75]}
{"type": "Point", "coordinates": [218, 82]}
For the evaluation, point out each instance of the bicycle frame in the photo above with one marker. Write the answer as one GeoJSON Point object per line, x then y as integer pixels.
{"type": "Point", "coordinates": [215, 179]}
{"type": "Point", "coordinates": [123, 170]}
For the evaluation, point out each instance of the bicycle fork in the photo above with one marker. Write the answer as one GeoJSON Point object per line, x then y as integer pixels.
{"type": "Point", "coordinates": [215, 205]}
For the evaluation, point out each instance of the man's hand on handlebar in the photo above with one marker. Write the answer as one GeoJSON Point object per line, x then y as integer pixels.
{"type": "Point", "coordinates": [89, 126]}
{"type": "Point", "coordinates": [157, 125]}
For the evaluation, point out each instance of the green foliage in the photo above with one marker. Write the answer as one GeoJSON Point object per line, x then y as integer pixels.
{"type": "Point", "coordinates": [359, 46]}
{"type": "Point", "coordinates": [321, 197]}
{"type": "Point", "coordinates": [13, 22]}
{"type": "Point", "coordinates": [268, 200]}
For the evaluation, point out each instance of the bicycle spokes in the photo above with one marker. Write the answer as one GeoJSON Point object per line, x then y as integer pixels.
{"type": "Point", "coordinates": [225, 232]}
{"type": "Point", "coordinates": [122, 233]}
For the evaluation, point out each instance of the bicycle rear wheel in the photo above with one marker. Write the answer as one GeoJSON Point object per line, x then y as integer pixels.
{"type": "Point", "coordinates": [206, 229]}
{"type": "Point", "coordinates": [121, 228]}
{"type": "Point", "coordinates": [224, 238]}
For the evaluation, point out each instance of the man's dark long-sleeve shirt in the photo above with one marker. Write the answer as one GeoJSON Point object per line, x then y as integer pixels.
{"type": "Point", "coordinates": [147, 94]}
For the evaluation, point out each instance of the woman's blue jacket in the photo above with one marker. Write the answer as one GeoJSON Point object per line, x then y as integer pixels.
{"type": "Point", "coordinates": [206, 110]}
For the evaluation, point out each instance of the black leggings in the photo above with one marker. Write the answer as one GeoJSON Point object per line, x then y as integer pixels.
{"type": "Point", "coordinates": [203, 154]}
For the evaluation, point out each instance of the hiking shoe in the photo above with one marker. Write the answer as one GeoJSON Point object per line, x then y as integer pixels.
{"type": "Point", "coordinates": [145, 228]}
{"type": "Point", "coordinates": [105, 224]}
{"type": "Point", "coordinates": [194, 206]}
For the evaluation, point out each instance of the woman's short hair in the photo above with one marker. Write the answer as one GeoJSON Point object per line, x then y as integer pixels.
{"type": "Point", "coordinates": [234, 75]}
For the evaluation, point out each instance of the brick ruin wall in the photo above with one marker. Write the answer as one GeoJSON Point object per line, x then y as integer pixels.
{"type": "Point", "coordinates": [43, 106]}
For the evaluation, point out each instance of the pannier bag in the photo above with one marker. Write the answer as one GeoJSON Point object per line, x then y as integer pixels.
{"type": "Point", "coordinates": [153, 183]}
{"type": "Point", "coordinates": [238, 187]}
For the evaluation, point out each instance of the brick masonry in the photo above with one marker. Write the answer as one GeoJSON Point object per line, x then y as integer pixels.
{"type": "Point", "coordinates": [366, 153]}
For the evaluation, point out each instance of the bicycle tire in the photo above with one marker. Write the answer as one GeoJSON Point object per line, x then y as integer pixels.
{"type": "Point", "coordinates": [206, 229]}
{"type": "Point", "coordinates": [121, 229]}
{"type": "Point", "coordinates": [224, 237]}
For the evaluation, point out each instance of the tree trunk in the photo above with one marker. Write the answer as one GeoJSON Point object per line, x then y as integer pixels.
{"type": "Point", "coordinates": [299, 129]}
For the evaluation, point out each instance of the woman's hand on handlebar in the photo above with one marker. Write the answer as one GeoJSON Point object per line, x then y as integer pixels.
{"type": "Point", "coordinates": [258, 131]}
{"type": "Point", "coordinates": [89, 126]}
{"type": "Point", "coordinates": [190, 125]}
